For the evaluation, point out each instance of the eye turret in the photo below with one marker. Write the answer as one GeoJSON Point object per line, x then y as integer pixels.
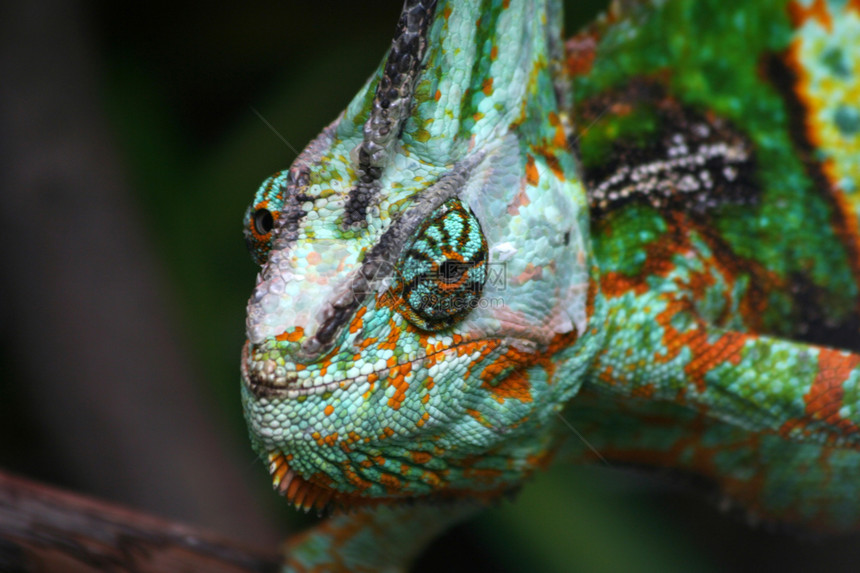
{"type": "Point", "coordinates": [441, 276]}
{"type": "Point", "coordinates": [261, 217]}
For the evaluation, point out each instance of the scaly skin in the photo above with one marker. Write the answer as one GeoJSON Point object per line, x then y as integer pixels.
{"type": "Point", "coordinates": [441, 278]}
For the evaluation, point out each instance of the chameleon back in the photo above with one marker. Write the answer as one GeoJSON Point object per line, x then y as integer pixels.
{"type": "Point", "coordinates": [723, 135]}
{"type": "Point", "coordinates": [781, 79]}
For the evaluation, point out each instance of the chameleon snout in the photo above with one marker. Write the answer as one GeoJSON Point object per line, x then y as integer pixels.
{"type": "Point", "coordinates": [265, 378]}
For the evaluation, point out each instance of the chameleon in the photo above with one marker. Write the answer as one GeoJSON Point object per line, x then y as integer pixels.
{"type": "Point", "coordinates": [647, 232]}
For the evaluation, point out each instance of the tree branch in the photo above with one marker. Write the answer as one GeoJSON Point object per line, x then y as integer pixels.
{"type": "Point", "coordinates": [46, 529]}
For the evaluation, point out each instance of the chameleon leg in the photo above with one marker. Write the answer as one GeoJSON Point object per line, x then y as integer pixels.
{"type": "Point", "coordinates": [803, 484]}
{"type": "Point", "coordinates": [386, 538]}
{"type": "Point", "coordinates": [659, 348]}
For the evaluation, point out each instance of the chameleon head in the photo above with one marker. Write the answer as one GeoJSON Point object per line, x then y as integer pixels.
{"type": "Point", "coordinates": [424, 272]}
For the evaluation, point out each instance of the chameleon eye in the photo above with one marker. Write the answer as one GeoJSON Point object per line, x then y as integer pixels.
{"type": "Point", "coordinates": [442, 273]}
{"type": "Point", "coordinates": [264, 222]}
{"type": "Point", "coordinates": [259, 223]}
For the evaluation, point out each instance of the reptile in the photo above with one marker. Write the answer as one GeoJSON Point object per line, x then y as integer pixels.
{"type": "Point", "coordinates": [648, 233]}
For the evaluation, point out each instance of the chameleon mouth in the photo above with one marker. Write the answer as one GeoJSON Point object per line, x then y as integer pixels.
{"type": "Point", "coordinates": [266, 379]}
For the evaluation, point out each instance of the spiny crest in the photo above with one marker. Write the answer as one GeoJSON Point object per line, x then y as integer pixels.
{"type": "Point", "coordinates": [391, 104]}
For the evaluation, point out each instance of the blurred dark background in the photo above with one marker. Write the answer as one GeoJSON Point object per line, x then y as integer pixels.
{"type": "Point", "coordinates": [129, 149]}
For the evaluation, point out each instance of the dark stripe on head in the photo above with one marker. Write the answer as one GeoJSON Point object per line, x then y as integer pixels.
{"type": "Point", "coordinates": [379, 262]}
{"type": "Point", "coordinates": [391, 105]}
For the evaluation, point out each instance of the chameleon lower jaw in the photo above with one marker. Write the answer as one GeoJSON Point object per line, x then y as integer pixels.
{"type": "Point", "coordinates": [306, 496]}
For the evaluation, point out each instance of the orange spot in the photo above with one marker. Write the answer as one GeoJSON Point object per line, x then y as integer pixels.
{"type": "Point", "coordinates": [552, 162]}
{"type": "Point", "coordinates": [482, 475]}
{"type": "Point", "coordinates": [706, 353]}
{"type": "Point", "coordinates": [392, 483]}
{"type": "Point", "coordinates": [494, 53]}
{"type": "Point", "coordinates": [531, 272]}
{"type": "Point", "coordinates": [329, 410]}
{"type": "Point", "coordinates": [314, 258]}
{"type": "Point", "coordinates": [294, 335]}
{"type": "Point", "coordinates": [580, 53]}
{"type": "Point", "coordinates": [799, 14]}
{"type": "Point", "coordinates": [644, 391]}
{"type": "Point", "coordinates": [825, 397]}
{"type": "Point", "coordinates": [487, 86]}
{"type": "Point", "coordinates": [432, 359]}
{"type": "Point", "coordinates": [484, 346]}
{"type": "Point", "coordinates": [420, 457]}
{"type": "Point", "coordinates": [484, 351]}
{"type": "Point", "coordinates": [614, 284]}
{"type": "Point", "coordinates": [521, 199]}
{"type": "Point", "coordinates": [559, 140]}
{"type": "Point", "coordinates": [357, 322]}
{"type": "Point", "coordinates": [532, 176]}
{"type": "Point", "coordinates": [396, 400]}
{"type": "Point", "coordinates": [479, 417]}
{"type": "Point", "coordinates": [431, 479]}
{"type": "Point", "coordinates": [393, 336]}
{"type": "Point", "coordinates": [540, 460]}
{"type": "Point", "coordinates": [505, 379]}
{"type": "Point", "coordinates": [355, 480]}
{"type": "Point", "coordinates": [447, 12]}
{"type": "Point", "coordinates": [437, 96]}
{"type": "Point", "coordinates": [398, 380]}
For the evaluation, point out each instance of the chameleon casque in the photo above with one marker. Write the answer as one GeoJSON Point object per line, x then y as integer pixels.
{"type": "Point", "coordinates": [649, 232]}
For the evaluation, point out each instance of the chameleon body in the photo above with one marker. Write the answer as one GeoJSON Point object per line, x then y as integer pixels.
{"type": "Point", "coordinates": [649, 232]}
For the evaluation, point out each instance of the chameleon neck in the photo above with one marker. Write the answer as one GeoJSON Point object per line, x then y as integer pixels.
{"type": "Point", "coordinates": [366, 540]}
